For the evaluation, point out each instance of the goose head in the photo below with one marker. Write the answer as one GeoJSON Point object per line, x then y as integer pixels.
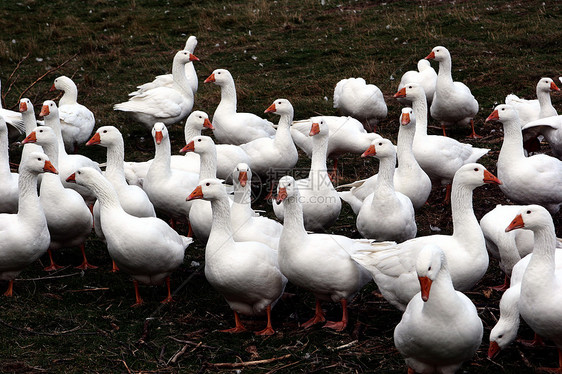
{"type": "Point", "coordinates": [319, 128]}
{"type": "Point", "coordinates": [411, 91]}
{"type": "Point", "coordinates": [505, 330]}
{"type": "Point", "coordinates": [63, 83]}
{"type": "Point", "coordinates": [198, 120]}
{"type": "Point", "coordinates": [209, 189]}
{"type": "Point", "coordinates": [42, 135]}
{"type": "Point", "coordinates": [159, 132]}
{"type": "Point", "coordinates": [439, 54]}
{"type": "Point", "coordinates": [49, 109]}
{"type": "Point", "coordinates": [380, 148]}
{"type": "Point", "coordinates": [287, 188]}
{"type": "Point", "coordinates": [25, 105]}
{"type": "Point", "coordinates": [105, 136]}
{"type": "Point", "coordinates": [423, 64]}
{"type": "Point", "coordinates": [219, 77]}
{"type": "Point", "coordinates": [475, 175]}
{"type": "Point", "coordinates": [531, 217]}
{"type": "Point", "coordinates": [85, 176]}
{"type": "Point", "coordinates": [429, 263]}
{"type": "Point", "coordinates": [190, 44]}
{"type": "Point", "coordinates": [280, 107]}
{"type": "Point", "coordinates": [505, 114]}
{"type": "Point", "coordinates": [38, 162]}
{"type": "Point", "coordinates": [183, 57]}
{"type": "Point", "coordinates": [407, 117]}
{"type": "Point", "coordinates": [200, 144]}
{"type": "Point", "coordinates": [547, 85]}
{"type": "Point", "coordinates": [242, 174]}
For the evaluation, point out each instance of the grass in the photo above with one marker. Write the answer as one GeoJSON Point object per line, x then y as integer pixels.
{"type": "Point", "coordinates": [73, 321]}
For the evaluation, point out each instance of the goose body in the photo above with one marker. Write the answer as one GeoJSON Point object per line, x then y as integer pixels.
{"type": "Point", "coordinates": [24, 236]}
{"type": "Point", "coordinates": [452, 102]}
{"type": "Point", "coordinates": [321, 202]}
{"type": "Point", "coordinates": [77, 121]}
{"type": "Point", "coordinates": [541, 107]}
{"type": "Point", "coordinates": [28, 115]}
{"type": "Point", "coordinates": [526, 180]}
{"type": "Point", "coordinates": [167, 80]}
{"type": "Point", "coordinates": [425, 76]}
{"type": "Point", "coordinates": [551, 129]}
{"type": "Point", "coordinates": [163, 104]}
{"type": "Point", "coordinates": [365, 102]}
{"type": "Point", "coordinates": [144, 247]}
{"type": "Point", "coordinates": [386, 214]}
{"type": "Point", "coordinates": [246, 274]}
{"type": "Point", "coordinates": [14, 121]}
{"type": "Point", "coordinates": [440, 328]}
{"type": "Point", "coordinates": [439, 156]}
{"type": "Point", "coordinates": [232, 127]}
{"type": "Point", "coordinates": [394, 269]}
{"type": "Point", "coordinates": [9, 190]}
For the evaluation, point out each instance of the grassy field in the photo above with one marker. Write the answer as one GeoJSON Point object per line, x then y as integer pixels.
{"type": "Point", "coordinates": [74, 321]}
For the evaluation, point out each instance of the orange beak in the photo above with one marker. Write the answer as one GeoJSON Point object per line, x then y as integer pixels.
{"type": "Point", "coordinates": [210, 79]}
{"type": "Point", "coordinates": [190, 147]}
{"type": "Point", "coordinates": [493, 350]}
{"type": "Point", "coordinates": [495, 116]}
{"type": "Point", "coordinates": [49, 168]}
{"type": "Point", "coordinates": [192, 57]}
{"type": "Point", "coordinates": [517, 223]}
{"type": "Point", "coordinates": [425, 284]}
{"type": "Point", "coordinates": [554, 87]}
{"type": "Point", "coordinates": [401, 92]}
{"type": "Point", "coordinates": [314, 129]}
{"type": "Point", "coordinates": [44, 111]}
{"type": "Point", "coordinates": [72, 178]}
{"type": "Point", "coordinates": [94, 140]}
{"type": "Point", "coordinates": [281, 195]}
{"type": "Point", "coordinates": [243, 178]}
{"type": "Point", "coordinates": [371, 151]}
{"type": "Point", "coordinates": [53, 88]}
{"type": "Point", "coordinates": [405, 119]}
{"type": "Point", "coordinates": [23, 107]}
{"type": "Point", "coordinates": [208, 124]}
{"type": "Point", "coordinates": [158, 137]}
{"type": "Point", "coordinates": [31, 138]}
{"type": "Point", "coordinates": [491, 178]}
{"type": "Point", "coordinates": [430, 56]}
{"type": "Point", "coordinates": [270, 109]}
{"type": "Point", "coordinates": [196, 194]}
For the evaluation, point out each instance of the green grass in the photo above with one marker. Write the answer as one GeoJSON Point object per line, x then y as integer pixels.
{"type": "Point", "coordinates": [82, 322]}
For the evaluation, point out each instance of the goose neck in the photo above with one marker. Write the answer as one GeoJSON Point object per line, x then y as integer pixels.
{"type": "Point", "coordinates": [242, 195]}
{"type": "Point", "coordinates": [51, 149]}
{"type": "Point", "coordinates": [29, 207]}
{"type": "Point", "coordinates": [404, 152]}
{"type": "Point", "coordinates": [53, 121]}
{"type": "Point", "coordinates": [29, 121]}
{"type": "Point", "coordinates": [419, 105]}
{"type": "Point", "coordinates": [208, 165]}
{"type": "Point", "coordinates": [442, 295]}
{"type": "Point", "coordinates": [293, 221]}
{"type": "Point", "coordinates": [444, 77]}
{"type": "Point", "coordinates": [512, 146]}
{"type": "Point", "coordinates": [114, 170]}
{"type": "Point", "coordinates": [465, 224]}
{"type": "Point", "coordinates": [318, 171]}
{"type": "Point", "coordinates": [190, 132]}
{"type": "Point", "coordinates": [283, 133]}
{"type": "Point", "coordinates": [228, 97]}
{"type": "Point", "coordinates": [105, 193]}
{"type": "Point", "coordinates": [4, 154]}
{"type": "Point", "coordinates": [70, 95]}
{"type": "Point", "coordinates": [543, 260]}
{"type": "Point", "coordinates": [162, 156]}
{"type": "Point", "coordinates": [221, 229]}
{"type": "Point", "coordinates": [180, 79]}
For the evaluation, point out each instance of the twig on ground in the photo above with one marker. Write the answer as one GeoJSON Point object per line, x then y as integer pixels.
{"type": "Point", "coordinates": [48, 277]}
{"type": "Point", "coordinates": [200, 344]}
{"type": "Point", "coordinates": [228, 365]}
{"type": "Point", "coordinates": [30, 331]}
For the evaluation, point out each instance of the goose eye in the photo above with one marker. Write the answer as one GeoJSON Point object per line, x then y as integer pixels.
{"type": "Point", "coordinates": [429, 268]}
{"type": "Point", "coordinates": [528, 212]}
{"type": "Point", "coordinates": [207, 184]}
{"type": "Point", "coordinates": [40, 130]}
{"type": "Point", "coordinates": [104, 131]}
{"type": "Point", "coordinates": [475, 169]}
{"type": "Point", "coordinates": [39, 158]}
{"type": "Point", "coordinates": [380, 143]}
{"type": "Point", "coordinates": [198, 140]}
{"type": "Point", "coordinates": [79, 172]}
{"type": "Point", "coordinates": [500, 336]}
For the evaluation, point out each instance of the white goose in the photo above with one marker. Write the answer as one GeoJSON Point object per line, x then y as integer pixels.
{"type": "Point", "coordinates": [68, 217]}
{"type": "Point", "coordinates": [77, 121]}
{"type": "Point", "coordinates": [13, 120]}
{"type": "Point", "coordinates": [245, 273]}
{"type": "Point", "coordinates": [354, 97]}
{"type": "Point", "coordinates": [540, 302]}
{"type": "Point", "coordinates": [132, 198]}
{"type": "Point", "coordinates": [279, 154]}
{"type": "Point", "coordinates": [68, 164]}
{"type": "Point", "coordinates": [167, 187]}
{"type": "Point", "coordinates": [526, 180]}
{"type": "Point", "coordinates": [409, 177]}
{"type": "Point", "coordinates": [321, 202]}
{"type": "Point", "coordinates": [144, 247]}
{"type": "Point", "coordinates": [541, 107]}
{"type": "Point", "coordinates": [164, 104]}
{"type": "Point", "coordinates": [167, 80]}
{"type": "Point", "coordinates": [24, 236]}
{"type": "Point", "coordinates": [440, 328]}
{"type": "Point", "coordinates": [439, 156]}
{"type": "Point", "coordinates": [386, 214]}
{"type": "Point", "coordinates": [425, 76]}
{"type": "Point", "coordinates": [234, 127]}
{"type": "Point", "coordinates": [394, 269]}
{"type": "Point", "coordinates": [551, 129]}
{"type": "Point", "coordinates": [28, 115]}
{"type": "Point", "coordinates": [247, 225]}
{"type": "Point", "coordinates": [452, 102]}
{"type": "Point", "coordinates": [9, 191]}
{"type": "Point", "coordinates": [321, 263]}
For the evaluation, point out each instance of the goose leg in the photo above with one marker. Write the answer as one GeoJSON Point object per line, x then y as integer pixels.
{"type": "Point", "coordinates": [447, 200]}
{"type": "Point", "coordinates": [239, 326]}
{"type": "Point", "coordinates": [502, 287]}
{"type": "Point", "coordinates": [169, 298]}
{"type": "Point", "coordinates": [553, 370]}
{"type": "Point", "coordinates": [53, 265]}
{"type": "Point", "coordinates": [10, 290]}
{"type": "Point", "coordinates": [443, 127]}
{"type": "Point", "coordinates": [85, 264]}
{"type": "Point", "coordinates": [269, 329]}
{"type": "Point", "coordinates": [473, 135]}
{"type": "Point", "coordinates": [536, 342]}
{"type": "Point", "coordinates": [339, 326]}
{"type": "Point", "coordinates": [333, 175]}
{"type": "Point", "coordinates": [318, 316]}
{"type": "Point", "coordinates": [139, 300]}
{"type": "Point", "coordinates": [114, 268]}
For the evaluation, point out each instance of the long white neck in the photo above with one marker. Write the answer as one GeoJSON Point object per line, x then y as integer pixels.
{"type": "Point", "coordinates": [541, 268]}
{"type": "Point", "coordinates": [190, 132]}
{"type": "Point", "coordinates": [180, 79]}
{"type": "Point", "coordinates": [419, 105]}
{"type": "Point", "coordinates": [4, 154]}
{"type": "Point", "coordinates": [29, 121]}
{"type": "Point", "coordinates": [29, 209]}
{"type": "Point", "coordinates": [221, 229]}
{"type": "Point", "coordinates": [53, 121]}
{"type": "Point", "coordinates": [318, 171]}
{"type": "Point", "coordinates": [70, 95]}
{"type": "Point", "coordinates": [228, 97]}
{"type": "Point", "coordinates": [106, 194]}
{"type": "Point", "coordinates": [241, 206]}
{"type": "Point", "coordinates": [465, 224]}
{"type": "Point", "coordinates": [162, 157]}
{"type": "Point", "coordinates": [404, 153]}
{"type": "Point", "coordinates": [208, 166]}
{"type": "Point", "coordinates": [283, 136]}
{"type": "Point", "coordinates": [114, 170]}
{"type": "Point", "coordinates": [444, 77]}
{"type": "Point", "coordinates": [512, 147]}
{"type": "Point", "coordinates": [384, 188]}
{"type": "Point", "coordinates": [442, 295]}
{"type": "Point", "coordinates": [51, 149]}
{"type": "Point", "coordinates": [545, 103]}
{"type": "Point", "coordinates": [293, 221]}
